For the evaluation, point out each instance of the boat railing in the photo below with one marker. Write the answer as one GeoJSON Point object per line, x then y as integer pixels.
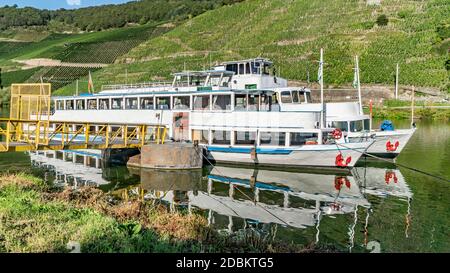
{"type": "Point", "coordinates": [136, 85]}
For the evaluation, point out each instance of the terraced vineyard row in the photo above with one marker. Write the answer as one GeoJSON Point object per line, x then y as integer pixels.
{"type": "Point", "coordinates": [60, 76]}
{"type": "Point", "coordinates": [102, 52]}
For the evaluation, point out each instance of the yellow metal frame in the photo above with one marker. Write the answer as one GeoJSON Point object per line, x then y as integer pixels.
{"type": "Point", "coordinates": [29, 127]}
{"type": "Point", "coordinates": [26, 135]}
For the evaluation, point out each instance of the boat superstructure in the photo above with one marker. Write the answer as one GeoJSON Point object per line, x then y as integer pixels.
{"type": "Point", "coordinates": [265, 122]}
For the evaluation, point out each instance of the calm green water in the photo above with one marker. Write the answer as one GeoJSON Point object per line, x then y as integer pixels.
{"type": "Point", "coordinates": [377, 207]}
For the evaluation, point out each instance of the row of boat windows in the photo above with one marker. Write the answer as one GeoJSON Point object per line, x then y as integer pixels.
{"type": "Point", "coordinates": [249, 68]}
{"type": "Point", "coordinates": [242, 102]}
{"type": "Point", "coordinates": [221, 137]}
{"type": "Point", "coordinates": [352, 126]}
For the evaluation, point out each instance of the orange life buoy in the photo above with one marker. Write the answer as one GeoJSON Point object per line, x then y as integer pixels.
{"type": "Point", "coordinates": [339, 181]}
{"type": "Point", "coordinates": [390, 175]}
{"type": "Point", "coordinates": [336, 133]}
{"type": "Point", "coordinates": [392, 147]}
{"type": "Point", "coordinates": [341, 162]}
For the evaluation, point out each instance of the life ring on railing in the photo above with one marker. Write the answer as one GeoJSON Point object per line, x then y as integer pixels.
{"type": "Point", "coordinates": [341, 162]}
{"type": "Point", "coordinates": [336, 133]}
{"type": "Point", "coordinates": [390, 175]}
{"type": "Point", "coordinates": [339, 181]}
{"type": "Point", "coordinates": [390, 147]}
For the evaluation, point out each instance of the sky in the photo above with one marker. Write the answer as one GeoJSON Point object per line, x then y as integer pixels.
{"type": "Point", "coordinates": [57, 4]}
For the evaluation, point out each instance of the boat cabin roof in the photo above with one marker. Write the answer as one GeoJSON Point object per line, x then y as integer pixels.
{"type": "Point", "coordinates": [254, 60]}
{"type": "Point", "coordinates": [204, 73]}
{"type": "Point", "coordinates": [293, 88]}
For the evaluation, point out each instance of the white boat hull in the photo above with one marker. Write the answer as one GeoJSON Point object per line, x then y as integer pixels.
{"type": "Point", "coordinates": [382, 137]}
{"type": "Point", "coordinates": [306, 156]}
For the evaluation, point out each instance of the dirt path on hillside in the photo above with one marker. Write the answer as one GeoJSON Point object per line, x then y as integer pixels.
{"type": "Point", "coordinates": [32, 63]}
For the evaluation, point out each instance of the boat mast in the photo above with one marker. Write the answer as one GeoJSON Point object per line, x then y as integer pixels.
{"type": "Point", "coordinates": [359, 85]}
{"type": "Point", "coordinates": [322, 113]}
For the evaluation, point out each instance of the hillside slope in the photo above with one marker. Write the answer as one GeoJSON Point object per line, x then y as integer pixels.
{"type": "Point", "coordinates": [291, 32]}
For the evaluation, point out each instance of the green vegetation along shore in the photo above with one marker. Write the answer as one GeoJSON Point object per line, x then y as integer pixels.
{"type": "Point", "coordinates": [398, 109]}
{"type": "Point", "coordinates": [35, 217]}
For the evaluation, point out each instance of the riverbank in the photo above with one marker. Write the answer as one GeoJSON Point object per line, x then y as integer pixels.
{"type": "Point", "coordinates": [36, 217]}
{"type": "Point", "coordinates": [438, 113]}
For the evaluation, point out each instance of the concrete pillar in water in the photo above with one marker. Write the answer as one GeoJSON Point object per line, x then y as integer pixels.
{"type": "Point", "coordinates": [169, 156]}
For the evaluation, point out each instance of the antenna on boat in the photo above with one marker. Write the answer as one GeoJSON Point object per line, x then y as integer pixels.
{"type": "Point", "coordinates": [320, 78]}
{"type": "Point", "coordinates": [357, 83]}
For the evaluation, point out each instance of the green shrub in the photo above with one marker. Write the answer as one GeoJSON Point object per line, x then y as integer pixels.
{"type": "Point", "coordinates": [382, 20]}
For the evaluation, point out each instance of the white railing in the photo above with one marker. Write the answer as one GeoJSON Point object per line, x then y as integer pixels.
{"type": "Point", "coordinates": [136, 85]}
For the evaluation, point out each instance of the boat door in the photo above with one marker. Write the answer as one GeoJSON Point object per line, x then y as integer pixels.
{"type": "Point", "coordinates": [181, 126]}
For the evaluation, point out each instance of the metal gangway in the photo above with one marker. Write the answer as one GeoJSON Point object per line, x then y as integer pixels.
{"type": "Point", "coordinates": [29, 127]}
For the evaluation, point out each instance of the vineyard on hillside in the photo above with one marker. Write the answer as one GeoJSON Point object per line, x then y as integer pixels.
{"type": "Point", "coordinates": [99, 47]}
{"type": "Point", "coordinates": [291, 34]}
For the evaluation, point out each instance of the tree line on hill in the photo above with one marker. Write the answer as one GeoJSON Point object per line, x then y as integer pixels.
{"type": "Point", "coordinates": [108, 16]}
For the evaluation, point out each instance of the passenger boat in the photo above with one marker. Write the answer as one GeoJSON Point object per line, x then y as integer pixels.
{"type": "Point", "coordinates": [236, 111]}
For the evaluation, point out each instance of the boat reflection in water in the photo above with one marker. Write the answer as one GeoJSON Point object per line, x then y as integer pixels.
{"type": "Point", "coordinates": [234, 198]}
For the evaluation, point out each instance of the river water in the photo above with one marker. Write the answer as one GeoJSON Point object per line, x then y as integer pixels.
{"type": "Point", "coordinates": [377, 208]}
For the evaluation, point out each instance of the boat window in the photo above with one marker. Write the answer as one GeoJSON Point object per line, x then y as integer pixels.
{"type": "Point", "coordinates": [295, 98]}
{"type": "Point", "coordinates": [244, 138]}
{"type": "Point", "coordinates": [356, 126]}
{"type": "Point", "coordinates": [265, 102]}
{"type": "Point", "coordinates": [163, 103]}
{"type": "Point", "coordinates": [201, 102]}
{"type": "Point", "coordinates": [221, 102]}
{"type": "Point", "coordinates": [59, 105]}
{"type": "Point", "coordinates": [232, 67]}
{"type": "Point", "coordinates": [301, 96]}
{"type": "Point", "coordinates": [256, 68]}
{"type": "Point", "coordinates": [147, 103]}
{"type": "Point", "coordinates": [241, 69]}
{"type": "Point", "coordinates": [201, 135]}
{"type": "Point", "coordinates": [104, 104]}
{"type": "Point", "coordinates": [221, 137]}
{"type": "Point", "coordinates": [298, 139]}
{"type": "Point", "coordinates": [253, 103]}
{"type": "Point", "coordinates": [247, 68]}
{"type": "Point", "coordinates": [266, 70]}
{"type": "Point", "coordinates": [308, 97]}
{"type": "Point", "coordinates": [80, 105]}
{"type": "Point", "coordinates": [92, 104]}
{"type": "Point", "coordinates": [117, 103]}
{"type": "Point", "coordinates": [181, 102]}
{"type": "Point", "coordinates": [131, 103]}
{"type": "Point", "coordinates": [367, 124]}
{"type": "Point", "coordinates": [286, 97]}
{"type": "Point", "coordinates": [240, 102]}
{"type": "Point", "coordinates": [272, 138]}
{"type": "Point", "coordinates": [340, 125]}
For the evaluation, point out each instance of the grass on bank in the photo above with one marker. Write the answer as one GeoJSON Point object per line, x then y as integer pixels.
{"type": "Point", "coordinates": [35, 217]}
